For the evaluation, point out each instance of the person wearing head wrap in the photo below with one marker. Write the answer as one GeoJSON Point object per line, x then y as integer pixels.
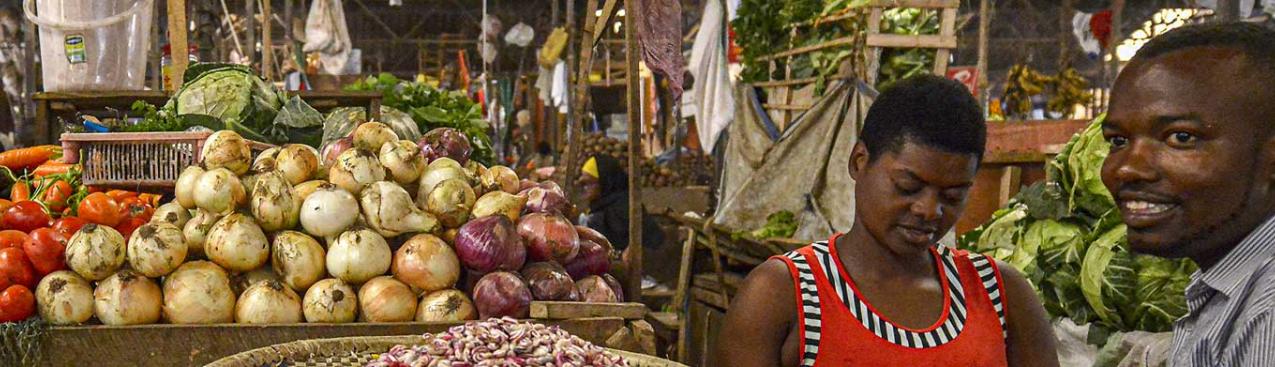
{"type": "Point", "coordinates": [606, 189]}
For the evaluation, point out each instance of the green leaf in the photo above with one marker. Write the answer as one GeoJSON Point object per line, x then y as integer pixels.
{"type": "Point", "coordinates": [1107, 276]}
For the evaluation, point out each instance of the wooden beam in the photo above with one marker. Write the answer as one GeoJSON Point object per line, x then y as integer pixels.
{"type": "Point", "coordinates": [632, 54]}
{"type": "Point", "coordinates": [250, 31]}
{"type": "Point", "coordinates": [574, 310]}
{"type": "Point", "coordinates": [844, 41]}
{"type": "Point", "coordinates": [911, 41]}
{"type": "Point", "coordinates": [267, 41]}
{"type": "Point", "coordinates": [849, 13]}
{"type": "Point", "coordinates": [984, 27]}
{"type": "Point", "coordinates": [600, 26]}
{"type": "Point", "coordinates": [947, 29]}
{"type": "Point", "coordinates": [176, 41]}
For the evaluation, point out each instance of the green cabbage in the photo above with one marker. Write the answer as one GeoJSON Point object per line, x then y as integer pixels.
{"type": "Point", "coordinates": [232, 94]}
{"type": "Point", "coordinates": [1108, 276]}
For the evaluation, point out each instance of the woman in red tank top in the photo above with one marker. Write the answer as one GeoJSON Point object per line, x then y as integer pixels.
{"type": "Point", "coordinates": [883, 294]}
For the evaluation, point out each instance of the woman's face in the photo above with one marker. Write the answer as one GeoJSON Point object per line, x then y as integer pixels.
{"type": "Point", "coordinates": [592, 190]}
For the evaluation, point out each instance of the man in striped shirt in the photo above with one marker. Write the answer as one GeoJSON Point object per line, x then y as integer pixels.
{"type": "Point", "coordinates": [1192, 167]}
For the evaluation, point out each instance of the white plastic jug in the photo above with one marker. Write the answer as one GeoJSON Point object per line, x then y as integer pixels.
{"type": "Point", "coordinates": [98, 45]}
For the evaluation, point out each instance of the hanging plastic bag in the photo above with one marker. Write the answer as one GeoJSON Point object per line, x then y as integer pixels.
{"type": "Point", "coordinates": [520, 35]}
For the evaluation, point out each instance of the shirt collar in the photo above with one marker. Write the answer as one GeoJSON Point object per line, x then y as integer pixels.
{"type": "Point", "coordinates": [1235, 268]}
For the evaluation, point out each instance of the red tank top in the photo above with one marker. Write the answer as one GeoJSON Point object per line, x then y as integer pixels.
{"type": "Point", "coordinates": [970, 332]}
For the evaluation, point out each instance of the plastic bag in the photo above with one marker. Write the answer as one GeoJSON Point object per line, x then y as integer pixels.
{"type": "Point", "coordinates": [520, 35]}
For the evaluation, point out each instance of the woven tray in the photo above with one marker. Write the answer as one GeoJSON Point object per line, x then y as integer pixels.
{"type": "Point", "coordinates": [358, 351]}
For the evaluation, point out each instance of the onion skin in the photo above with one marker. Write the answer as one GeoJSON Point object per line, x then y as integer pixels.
{"type": "Point", "coordinates": [590, 234]}
{"type": "Point", "coordinates": [445, 142]}
{"type": "Point", "coordinates": [592, 259]}
{"type": "Point", "coordinates": [127, 298]}
{"type": "Point", "coordinates": [435, 176]}
{"type": "Point", "coordinates": [274, 203]}
{"type": "Point", "coordinates": [403, 161]}
{"type": "Point", "coordinates": [196, 232]}
{"type": "Point", "coordinates": [548, 281]}
{"type": "Point", "coordinates": [549, 237]}
{"type": "Point", "coordinates": [184, 190]}
{"type": "Point", "coordinates": [499, 178]}
{"type": "Point", "coordinates": [95, 252]}
{"type": "Point", "coordinates": [373, 135]}
{"type": "Point", "coordinates": [226, 149]}
{"type": "Point", "coordinates": [594, 289]}
{"type": "Point", "coordinates": [297, 162]}
{"type": "Point", "coordinates": [241, 282]}
{"type": "Point", "coordinates": [499, 203]}
{"type": "Point", "coordinates": [615, 286]}
{"type": "Point", "coordinates": [64, 298]}
{"type": "Point", "coordinates": [330, 301]}
{"type": "Point", "coordinates": [156, 249]}
{"type": "Point", "coordinates": [448, 305]}
{"type": "Point", "coordinates": [388, 209]}
{"type": "Point", "coordinates": [334, 150]}
{"type": "Point", "coordinates": [384, 299]}
{"type": "Point", "coordinates": [358, 256]}
{"type": "Point", "coordinates": [450, 201]}
{"type": "Point", "coordinates": [329, 211]}
{"type": "Point", "coordinates": [502, 294]}
{"type": "Point", "coordinates": [443, 162]}
{"type": "Point", "coordinates": [171, 213]}
{"type": "Point", "coordinates": [541, 200]}
{"type": "Point", "coordinates": [426, 262]}
{"type": "Point", "coordinates": [268, 303]}
{"type": "Point", "coordinates": [237, 244]}
{"type": "Point", "coordinates": [355, 169]}
{"type": "Point", "coordinates": [298, 259]}
{"type": "Point", "coordinates": [199, 292]}
{"type": "Point", "coordinates": [490, 243]}
{"type": "Point", "coordinates": [219, 191]}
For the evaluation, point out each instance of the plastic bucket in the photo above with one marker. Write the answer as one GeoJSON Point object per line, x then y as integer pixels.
{"type": "Point", "coordinates": [92, 44]}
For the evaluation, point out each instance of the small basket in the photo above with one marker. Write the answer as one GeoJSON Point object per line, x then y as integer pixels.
{"type": "Point", "coordinates": [358, 351]}
{"type": "Point", "coordinates": [136, 160]}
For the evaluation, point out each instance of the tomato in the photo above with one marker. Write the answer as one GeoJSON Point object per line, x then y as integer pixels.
{"type": "Point", "coordinates": [16, 303]}
{"type": "Point", "coordinates": [12, 238]}
{"type": "Point", "coordinates": [56, 194]}
{"type": "Point", "coordinates": [67, 226]}
{"type": "Point", "coordinates": [134, 207]}
{"type": "Point", "coordinates": [128, 225]}
{"type": "Point", "coordinates": [101, 209]}
{"type": "Point", "coordinates": [45, 250]}
{"type": "Point", "coordinates": [150, 199]}
{"type": "Point", "coordinates": [4, 281]}
{"type": "Point", "coordinates": [21, 191]}
{"type": "Point", "coordinates": [14, 264]}
{"type": "Point", "coordinates": [25, 216]}
{"type": "Point", "coordinates": [4, 205]}
{"type": "Point", "coordinates": [120, 195]}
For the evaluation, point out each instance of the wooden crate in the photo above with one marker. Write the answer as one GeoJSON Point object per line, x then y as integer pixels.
{"type": "Point", "coordinates": [134, 161]}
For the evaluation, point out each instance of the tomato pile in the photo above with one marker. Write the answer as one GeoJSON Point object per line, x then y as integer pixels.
{"type": "Point", "coordinates": [47, 205]}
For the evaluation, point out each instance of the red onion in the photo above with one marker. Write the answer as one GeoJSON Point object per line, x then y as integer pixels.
{"type": "Point", "coordinates": [590, 234]}
{"type": "Point", "coordinates": [594, 289]}
{"type": "Point", "coordinates": [445, 142]}
{"type": "Point", "coordinates": [615, 286]}
{"type": "Point", "coordinates": [502, 294]}
{"type": "Point", "coordinates": [541, 200]}
{"type": "Point", "coordinates": [549, 237]}
{"type": "Point", "coordinates": [592, 259]}
{"type": "Point", "coordinates": [490, 243]}
{"type": "Point", "coordinates": [525, 184]}
{"type": "Point", "coordinates": [549, 282]}
{"type": "Point", "coordinates": [335, 148]}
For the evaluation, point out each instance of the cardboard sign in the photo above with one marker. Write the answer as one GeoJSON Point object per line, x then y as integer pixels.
{"type": "Point", "coordinates": [967, 75]}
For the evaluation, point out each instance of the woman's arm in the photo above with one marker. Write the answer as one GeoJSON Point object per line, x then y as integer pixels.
{"type": "Point", "coordinates": [760, 318]}
{"type": "Point", "coordinates": [1031, 338]}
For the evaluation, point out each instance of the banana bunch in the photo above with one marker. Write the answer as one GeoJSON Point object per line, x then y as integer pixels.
{"type": "Point", "coordinates": [1068, 91]}
{"type": "Point", "coordinates": [1024, 82]}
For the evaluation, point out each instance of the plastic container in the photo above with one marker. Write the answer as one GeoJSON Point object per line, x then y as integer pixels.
{"type": "Point", "coordinates": [92, 45]}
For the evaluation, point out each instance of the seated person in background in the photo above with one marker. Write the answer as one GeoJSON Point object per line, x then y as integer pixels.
{"type": "Point", "coordinates": [606, 190]}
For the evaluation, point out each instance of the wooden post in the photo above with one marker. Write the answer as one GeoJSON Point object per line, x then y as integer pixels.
{"type": "Point", "coordinates": [1065, 35]}
{"type": "Point", "coordinates": [177, 42]}
{"type": "Point", "coordinates": [250, 31]}
{"type": "Point", "coordinates": [680, 306]}
{"type": "Point", "coordinates": [267, 42]}
{"type": "Point", "coordinates": [634, 81]}
{"type": "Point", "coordinates": [1113, 68]}
{"type": "Point", "coordinates": [570, 130]}
{"type": "Point", "coordinates": [984, 24]}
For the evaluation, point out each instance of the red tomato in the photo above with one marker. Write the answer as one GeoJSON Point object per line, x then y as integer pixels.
{"type": "Point", "coordinates": [56, 194]}
{"type": "Point", "coordinates": [129, 225]}
{"type": "Point", "coordinates": [16, 303]}
{"type": "Point", "coordinates": [45, 250]}
{"type": "Point", "coordinates": [101, 209]}
{"type": "Point", "coordinates": [14, 264]}
{"type": "Point", "coordinates": [5, 204]}
{"type": "Point", "coordinates": [120, 195]}
{"type": "Point", "coordinates": [4, 281]}
{"type": "Point", "coordinates": [26, 216]}
{"type": "Point", "coordinates": [12, 238]}
{"type": "Point", "coordinates": [67, 226]}
{"type": "Point", "coordinates": [21, 191]}
{"type": "Point", "coordinates": [135, 207]}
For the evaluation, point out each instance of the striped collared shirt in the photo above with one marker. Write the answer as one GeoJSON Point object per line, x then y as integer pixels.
{"type": "Point", "coordinates": [1231, 308]}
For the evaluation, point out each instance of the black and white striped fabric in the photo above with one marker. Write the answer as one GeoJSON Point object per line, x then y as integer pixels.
{"type": "Point", "coordinates": [948, 331]}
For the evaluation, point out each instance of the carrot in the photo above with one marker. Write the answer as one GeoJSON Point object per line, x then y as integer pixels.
{"type": "Point", "coordinates": [29, 157]}
{"type": "Point", "coordinates": [52, 168]}
{"type": "Point", "coordinates": [21, 191]}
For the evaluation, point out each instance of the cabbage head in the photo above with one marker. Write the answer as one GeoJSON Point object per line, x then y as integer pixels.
{"type": "Point", "coordinates": [1108, 276]}
{"type": "Point", "coordinates": [1160, 297]}
{"type": "Point", "coordinates": [232, 94]}
{"type": "Point", "coordinates": [1078, 170]}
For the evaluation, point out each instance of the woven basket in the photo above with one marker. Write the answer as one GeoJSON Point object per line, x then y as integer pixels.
{"type": "Point", "coordinates": [358, 351]}
{"type": "Point", "coordinates": [137, 160]}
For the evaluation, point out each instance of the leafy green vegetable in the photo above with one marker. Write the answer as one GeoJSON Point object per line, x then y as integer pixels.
{"type": "Point", "coordinates": [1107, 276]}
{"type": "Point", "coordinates": [153, 119]}
{"type": "Point", "coordinates": [299, 123]}
{"type": "Point", "coordinates": [432, 108]}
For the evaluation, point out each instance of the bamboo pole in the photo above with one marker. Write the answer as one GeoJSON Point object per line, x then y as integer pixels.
{"type": "Point", "coordinates": [984, 25]}
{"type": "Point", "coordinates": [633, 79]}
{"type": "Point", "coordinates": [267, 41]}
{"type": "Point", "coordinates": [177, 41]}
{"type": "Point", "coordinates": [250, 31]}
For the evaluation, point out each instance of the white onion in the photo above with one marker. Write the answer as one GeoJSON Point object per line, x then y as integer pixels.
{"type": "Point", "coordinates": [64, 298]}
{"type": "Point", "coordinates": [265, 161]}
{"type": "Point", "coordinates": [499, 202]}
{"type": "Point", "coordinates": [358, 255]}
{"type": "Point", "coordinates": [426, 262]}
{"type": "Point", "coordinates": [441, 162]}
{"type": "Point", "coordinates": [156, 249]}
{"type": "Point", "coordinates": [274, 204]}
{"type": "Point", "coordinates": [240, 283]}
{"type": "Point", "coordinates": [297, 162]}
{"type": "Point", "coordinates": [384, 299]}
{"type": "Point", "coordinates": [403, 160]}
{"type": "Point", "coordinates": [171, 213]}
{"type": "Point", "coordinates": [448, 305]}
{"type": "Point", "coordinates": [328, 211]}
{"type": "Point", "coordinates": [388, 209]}
{"type": "Point", "coordinates": [499, 178]}
{"type": "Point", "coordinates": [226, 149]}
{"type": "Point", "coordinates": [355, 169]}
{"type": "Point", "coordinates": [373, 135]}
{"type": "Point", "coordinates": [219, 191]}
{"type": "Point", "coordinates": [268, 303]}
{"type": "Point", "coordinates": [185, 188]}
{"type": "Point", "coordinates": [198, 292]}
{"type": "Point", "coordinates": [237, 244]}
{"type": "Point", "coordinates": [330, 301]}
{"type": "Point", "coordinates": [298, 258]}
{"type": "Point", "coordinates": [95, 252]}
{"type": "Point", "coordinates": [435, 176]}
{"type": "Point", "coordinates": [306, 188]}
{"type": "Point", "coordinates": [450, 201]}
{"type": "Point", "coordinates": [127, 298]}
{"type": "Point", "coordinates": [196, 232]}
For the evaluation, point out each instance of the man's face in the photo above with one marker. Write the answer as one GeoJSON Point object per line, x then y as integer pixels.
{"type": "Point", "coordinates": [1188, 164]}
{"type": "Point", "coordinates": [909, 199]}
